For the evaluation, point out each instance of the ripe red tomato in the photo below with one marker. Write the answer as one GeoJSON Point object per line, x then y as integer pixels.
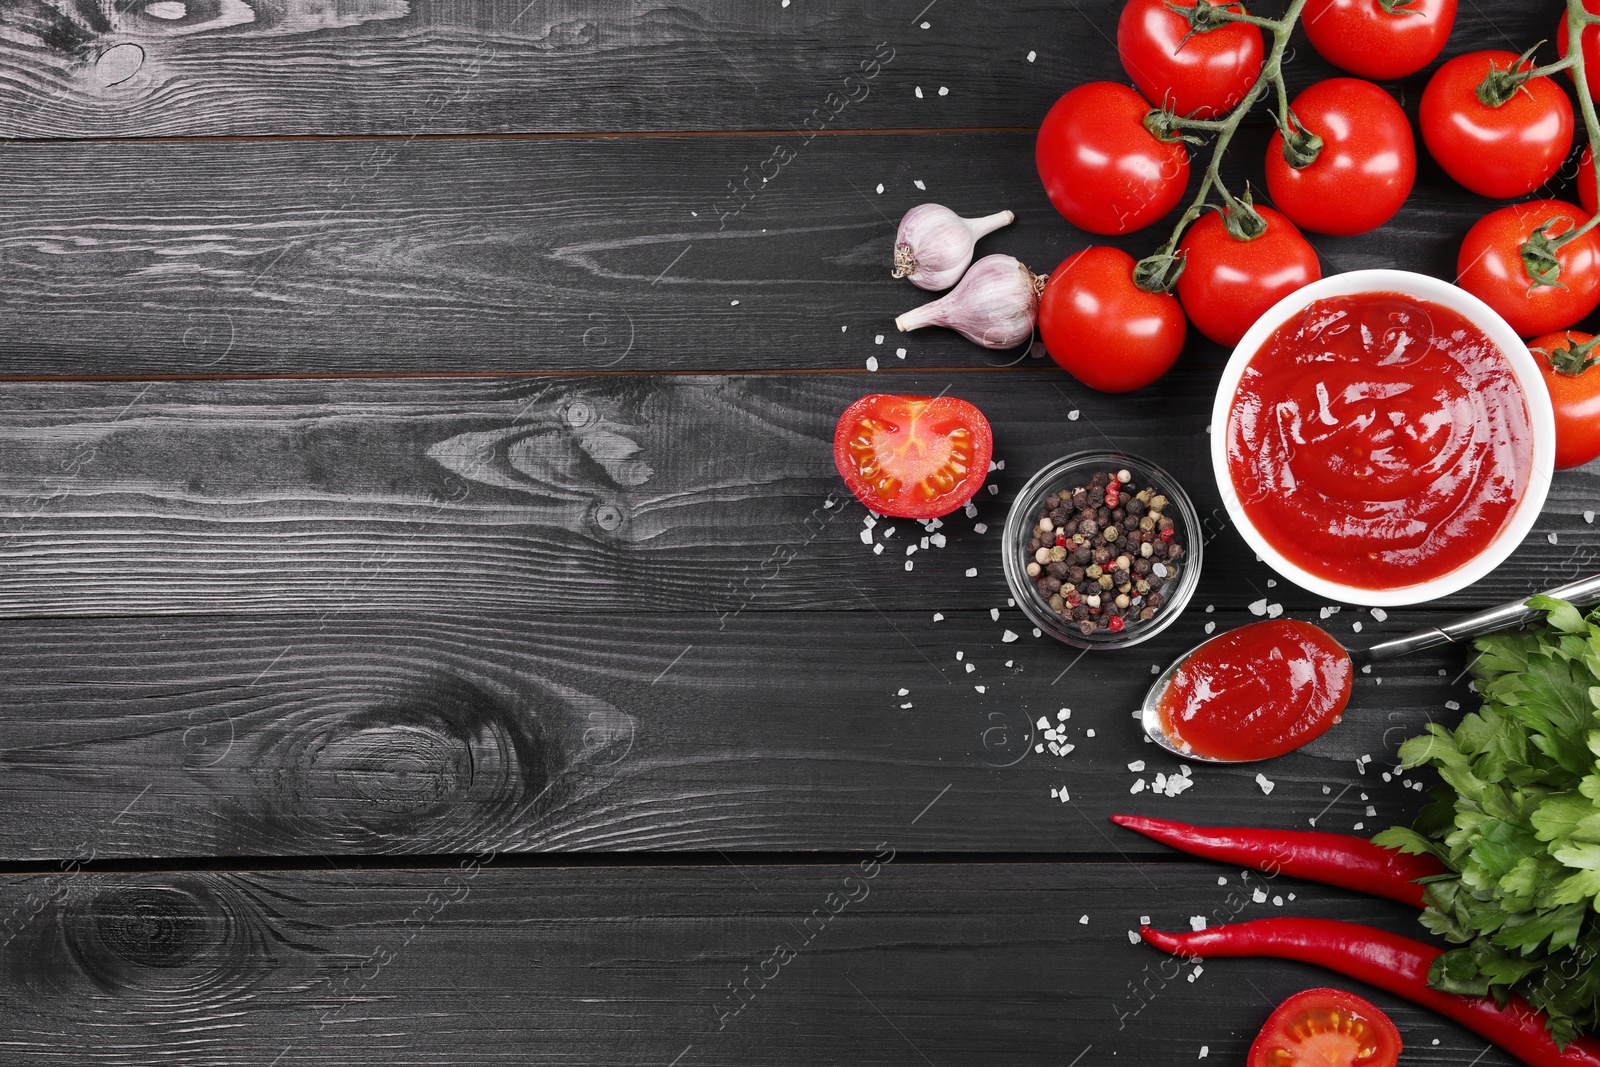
{"type": "Point", "coordinates": [1361, 37]}
{"type": "Point", "coordinates": [1104, 330]}
{"type": "Point", "coordinates": [1490, 267]}
{"type": "Point", "coordinates": [1227, 284]}
{"type": "Point", "coordinates": [1101, 168]}
{"type": "Point", "coordinates": [1366, 167]}
{"type": "Point", "coordinates": [1202, 76]}
{"type": "Point", "coordinates": [1591, 46]}
{"type": "Point", "coordinates": [1326, 1028]}
{"type": "Point", "coordinates": [1576, 397]}
{"type": "Point", "coordinates": [913, 457]}
{"type": "Point", "coordinates": [1502, 151]}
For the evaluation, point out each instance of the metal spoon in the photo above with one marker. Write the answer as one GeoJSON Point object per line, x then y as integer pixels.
{"type": "Point", "coordinates": [1581, 593]}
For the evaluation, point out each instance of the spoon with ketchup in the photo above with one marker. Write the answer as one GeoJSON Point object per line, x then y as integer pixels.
{"type": "Point", "coordinates": [1270, 687]}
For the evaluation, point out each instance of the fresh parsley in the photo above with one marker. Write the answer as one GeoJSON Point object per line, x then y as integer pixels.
{"type": "Point", "coordinates": [1517, 823]}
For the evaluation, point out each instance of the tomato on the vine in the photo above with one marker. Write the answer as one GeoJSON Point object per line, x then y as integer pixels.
{"type": "Point", "coordinates": [1503, 151]}
{"type": "Point", "coordinates": [1102, 328]}
{"type": "Point", "coordinates": [913, 457]}
{"type": "Point", "coordinates": [1200, 75]}
{"type": "Point", "coordinates": [1228, 283]}
{"type": "Point", "coordinates": [1574, 384]}
{"type": "Point", "coordinates": [1491, 266]}
{"type": "Point", "coordinates": [1379, 39]}
{"type": "Point", "coordinates": [1591, 46]}
{"type": "Point", "coordinates": [1366, 166]}
{"type": "Point", "coordinates": [1326, 1028]}
{"type": "Point", "coordinates": [1101, 167]}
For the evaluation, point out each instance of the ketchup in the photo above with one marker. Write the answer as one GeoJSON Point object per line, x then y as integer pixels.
{"type": "Point", "coordinates": [1256, 692]}
{"type": "Point", "coordinates": [1379, 441]}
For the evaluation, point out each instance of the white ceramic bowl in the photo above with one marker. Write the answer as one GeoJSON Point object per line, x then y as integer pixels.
{"type": "Point", "coordinates": [1540, 416]}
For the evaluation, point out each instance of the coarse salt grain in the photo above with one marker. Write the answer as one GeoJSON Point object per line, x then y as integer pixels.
{"type": "Point", "coordinates": [1356, 626]}
{"type": "Point", "coordinates": [1064, 714]}
{"type": "Point", "coordinates": [1266, 784]}
{"type": "Point", "coordinates": [1258, 607]}
{"type": "Point", "coordinates": [981, 688]}
{"type": "Point", "coordinates": [1210, 626]}
{"type": "Point", "coordinates": [1133, 937]}
{"type": "Point", "coordinates": [1072, 416]}
{"type": "Point", "coordinates": [909, 564]}
{"type": "Point", "coordinates": [1083, 920]}
{"type": "Point", "coordinates": [919, 185]}
{"type": "Point", "coordinates": [938, 616]}
{"type": "Point", "coordinates": [1032, 56]}
{"type": "Point", "coordinates": [1274, 610]}
{"type": "Point", "coordinates": [877, 550]}
{"type": "Point", "coordinates": [899, 353]}
{"type": "Point", "coordinates": [1379, 614]}
{"type": "Point", "coordinates": [866, 537]}
{"type": "Point", "coordinates": [878, 340]}
{"type": "Point", "coordinates": [1007, 637]}
{"type": "Point", "coordinates": [1138, 786]}
{"type": "Point", "coordinates": [972, 572]}
{"type": "Point", "coordinates": [1197, 923]}
{"type": "Point", "coordinates": [980, 527]}
{"type": "Point", "coordinates": [1088, 733]}
{"type": "Point", "coordinates": [1136, 766]}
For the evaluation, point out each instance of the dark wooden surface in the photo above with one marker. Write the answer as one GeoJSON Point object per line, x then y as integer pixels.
{"type": "Point", "coordinates": [412, 448]}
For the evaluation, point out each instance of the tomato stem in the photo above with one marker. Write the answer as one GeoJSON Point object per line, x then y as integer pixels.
{"type": "Point", "coordinates": [1158, 273]}
{"type": "Point", "coordinates": [1577, 18]}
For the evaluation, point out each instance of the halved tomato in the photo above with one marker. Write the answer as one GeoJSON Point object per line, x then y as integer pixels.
{"type": "Point", "coordinates": [914, 457]}
{"type": "Point", "coordinates": [1326, 1028]}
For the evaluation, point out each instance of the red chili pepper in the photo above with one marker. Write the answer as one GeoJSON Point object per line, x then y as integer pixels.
{"type": "Point", "coordinates": [1336, 859]}
{"type": "Point", "coordinates": [1390, 962]}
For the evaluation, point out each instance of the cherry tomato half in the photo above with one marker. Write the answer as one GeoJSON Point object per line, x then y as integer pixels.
{"type": "Point", "coordinates": [1326, 1028]}
{"type": "Point", "coordinates": [1104, 330]}
{"type": "Point", "coordinates": [1591, 46]}
{"type": "Point", "coordinates": [1502, 151]}
{"type": "Point", "coordinates": [1364, 38]}
{"type": "Point", "coordinates": [1203, 75]}
{"type": "Point", "coordinates": [1227, 284]}
{"type": "Point", "coordinates": [913, 457]}
{"type": "Point", "coordinates": [1490, 267]}
{"type": "Point", "coordinates": [1101, 168]}
{"type": "Point", "coordinates": [1367, 164]}
{"type": "Point", "coordinates": [1576, 398]}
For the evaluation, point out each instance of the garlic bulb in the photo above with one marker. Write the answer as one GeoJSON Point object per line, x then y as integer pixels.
{"type": "Point", "coordinates": [934, 246]}
{"type": "Point", "coordinates": [995, 305]}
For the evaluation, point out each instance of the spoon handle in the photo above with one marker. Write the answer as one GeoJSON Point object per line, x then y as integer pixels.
{"type": "Point", "coordinates": [1581, 593]}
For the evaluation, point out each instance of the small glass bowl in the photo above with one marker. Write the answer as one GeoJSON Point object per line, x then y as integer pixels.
{"type": "Point", "coordinates": [1069, 472]}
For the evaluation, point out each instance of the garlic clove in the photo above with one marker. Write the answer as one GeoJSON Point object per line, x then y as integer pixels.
{"type": "Point", "coordinates": [934, 245]}
{"type": "Point", "coordinates": [996, 304]}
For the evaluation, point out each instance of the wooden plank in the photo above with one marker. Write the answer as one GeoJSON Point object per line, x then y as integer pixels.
{"type": "Point", "coordinates": [404, 733]}
{"type": "Point", "coordinates": [273, 67]}
{"type": "Point", "coordinates": [886, 961]}
{"type": "Point", "coordinates": [615, 255]}
{"type": "Point", "coordinates": [669, 494]}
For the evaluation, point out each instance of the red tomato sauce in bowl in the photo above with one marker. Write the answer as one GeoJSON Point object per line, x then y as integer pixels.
{"type": "Point", "coordinates": [1378, 440]}
{"type": "Point", "coordinates": [1256, 692]}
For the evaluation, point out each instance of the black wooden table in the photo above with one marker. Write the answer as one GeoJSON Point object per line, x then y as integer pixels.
{"type": "Point", "coordinates": [434, 631]}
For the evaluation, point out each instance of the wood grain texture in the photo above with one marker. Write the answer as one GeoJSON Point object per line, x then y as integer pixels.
{"type": "Point", "coordinates": [138, 68]}
{"type": "Point", "coordinates": [406, 733]}
{"type": "Point", "coordinates": [887, 962]}
{"type": "Point", "coordinates": [589, 255]}
{"type": "Point", "coordinates": [672, 494]}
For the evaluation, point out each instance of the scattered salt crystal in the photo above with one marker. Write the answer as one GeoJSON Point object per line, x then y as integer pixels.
{"type": "Point", "coordinates": [1359, 826]}
{"type": "Point", "coordinates": [994, 490]}
{"type": "Point", "coordinates": [981, 688]}
{"type": "Point", "coordinates": [1064, 714]}
{"type": "Point", "coordinates": [1205, 1050]}
{"type": "Point", "coordinates": [1043, 723]}
{"type": "Point", "coordinates": [1007, 637]}
{"type": "Point", "coordinates": [1452, 705]}
{"type": "Point", "coordinates": [971, 510]}
{"type": "Point", "coordinates": [1210, 608]}
{"type": "Point", "coordinates": [899, 353]}
{"type": "Point", "coordinates": [972, 572]}
{"type": "Point", "coordinates": [1133, 937]}
{"type": "Point", "coordinates": [961, 656]}
{"type": "Point", "coordinates": [1136, 766]}
{"type": "Point", "coordinates": [1379, 614]}
{"type": "Point", "coordinates": [1083, 920]}
{"type": "Point", "coordinates": [943, 91]}
{"type": "Point", "coordinates": [1038, 747]}
{"type": "Point", "coordinates": [1356, 626]}
{"type": "Point", "coordinates": [1009, 662]}
{"type": "Point", "coordinates": [1386, 776]}
{"type": "Point", "coordinates": [937, 540]}
{"type": "Point", "coordinates": [878, 340]}
{"type": "Point", "coordinates": [1138, 786]}
{"type": "Point", "coordinates": [980, 528]}
{"type": "Point", "coordinates": [1277, 902]}
{"type": "Point", "coordinates": [918, 91]}
{"type": "Point", "coordinates": [910, 549]}
{"type": "Point", "coordinates": [866, 537]}
{"type": "Point", "coordinates": [889, 532]}
{"type": "Point", "coordinates": [877, 550]}
{"type": "Point", "coordinates": [938, 616]}
{"type": "Point", "coordinates": [909, 564]}
{"type": "Point", "coordinates": [1197, 923]}
{"type": "Point", "coordinates": [880, 188]}
{"type": "Point", "coordinates": [1258, 607]}
{"type": "Point", "coordinates": [1032, 56]}
{"type": "Point", "coordinates": [970, 668]}
{"type": "Point", "coordinates": [919, 185]}
{"type": "Point", "coordinates": [999, 464]}
{"type": "Point", "coordinates": [1272, 583]}
{"type": "Point", "coordinates": [1155, 668]}
{"type": "Point", "coordinates": [1366, 668]}
{"type": "Point", "coordinates": [1259, 896]}
{"type": "Point", "coordinates": [925, 25]}
{"type": "Point", "coordinates": [1274, 610]}
{"type": "Point", "coordinates": [869, 522]}
{"type": "Point", "coordinates": [733, 303]}
{"type": "Point", "coordinates": [1210, 626]}
{"type": "Point", "coordinates": [1552, 538]}
{"type": "Point", "coordinates": [1221, 880]}
{"type": "Point", "coordinates": [1588, 516]}
{"type": "Point", "coordinates": [1066, 749]}
{"type": "Point", "coordinates": [1088, 733]}
{"type": "Point", "coordinates": [1072, 416]}
{"type": "Point", "coordinates": [1144, 920]}
{"type": "Point", "coordinates": [1038, 632]}
{"type": "Point", "coordinates": [1326, 790]}
{"type": "Point", "coordinates": [1265, 783]}
{"type": "Point", "coordinates": [994, 614]}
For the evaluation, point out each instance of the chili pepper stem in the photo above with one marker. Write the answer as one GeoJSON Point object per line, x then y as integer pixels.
{"type": "Point", "coordinates": [1156, 279]}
